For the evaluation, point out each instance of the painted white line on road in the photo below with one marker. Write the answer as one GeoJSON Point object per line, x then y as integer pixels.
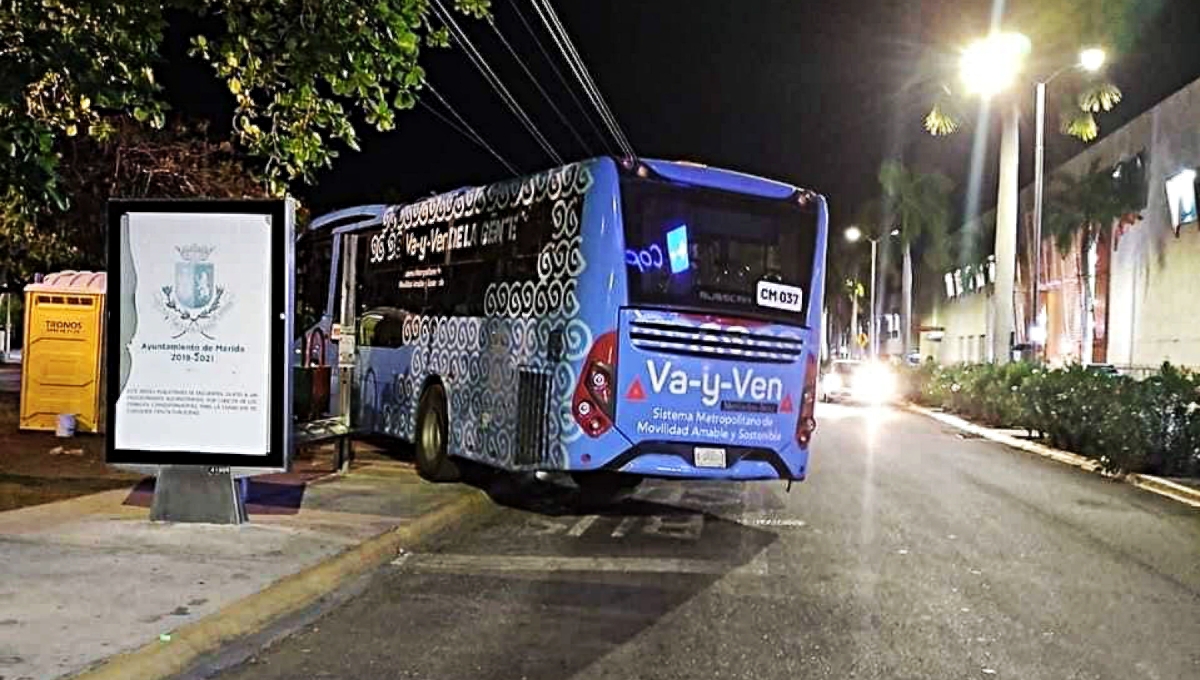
{"type": "Point", "coordinates": [471, 564]}
{"type": "Point", "coordinates": [624, 527]}
{"type": "Point", "coordinates": [582, 525]}
{"type": "Point", "coordinates": [761, 519]}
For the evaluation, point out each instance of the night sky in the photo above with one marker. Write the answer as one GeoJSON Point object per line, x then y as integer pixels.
{"type": "Point", "coordinates": [810, 92]}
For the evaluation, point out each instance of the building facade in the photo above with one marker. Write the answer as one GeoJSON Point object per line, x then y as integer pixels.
{"type": "Point", "coordinates": [1140, 277]}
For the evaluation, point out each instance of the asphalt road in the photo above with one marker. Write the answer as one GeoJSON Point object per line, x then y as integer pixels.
{"type": "Point", "coordinates": [910, 552]}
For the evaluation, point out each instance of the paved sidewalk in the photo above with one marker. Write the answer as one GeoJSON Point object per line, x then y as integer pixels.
{"type": "Point", "coordinates": [91, 577]}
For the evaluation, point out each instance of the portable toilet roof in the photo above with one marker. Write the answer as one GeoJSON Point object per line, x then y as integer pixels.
{"type": "Point", "coordinates": [71, 281]}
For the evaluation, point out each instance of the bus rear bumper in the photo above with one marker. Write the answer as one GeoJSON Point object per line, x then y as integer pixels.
{"type": "Point", "coordinates": [671, 459]}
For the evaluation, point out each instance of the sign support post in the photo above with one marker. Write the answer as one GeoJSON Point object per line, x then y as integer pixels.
{"type": "Point", "coordinates": [186, 493]}
{"type": "Point", "coordinates": [346, 350]}
{"type": "Point", "coordinates": [199, 349]}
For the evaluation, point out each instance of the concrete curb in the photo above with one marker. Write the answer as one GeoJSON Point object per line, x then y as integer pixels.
{"type": "Point", "coordinates": [1157, 485]}
{"type": "Point", "coordinates": [163, 659]}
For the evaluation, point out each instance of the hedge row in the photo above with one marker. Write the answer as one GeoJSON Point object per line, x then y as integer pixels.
{"type": "Point", "coordinates": [1150, 426]}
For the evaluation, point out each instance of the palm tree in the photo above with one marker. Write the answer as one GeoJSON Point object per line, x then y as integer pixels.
{"type": "Point", "coordinates": [1078, 103]}
{"type": "Point", "coordinates": [1056, 31]}
{"type": "Point", "coordinates": [918, 205]}
{"type": "Point", "coordinates": [842, 300]}
{"type": "Point", "coordinates": [854, 291]}
{"type": "Point", "coordinates": [1085, 209]}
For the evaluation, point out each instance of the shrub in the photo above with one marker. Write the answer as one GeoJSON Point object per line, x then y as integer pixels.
{"type": "Point", "coordinates": [1152, 425]}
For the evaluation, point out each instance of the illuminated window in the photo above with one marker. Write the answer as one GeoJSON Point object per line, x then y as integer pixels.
{"type": "Point", "coordinates": [1181, 198]}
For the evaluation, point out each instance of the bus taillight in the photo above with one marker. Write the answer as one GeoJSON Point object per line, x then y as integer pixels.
{"type": "Point", "coordinates": [806, 424]}
{"type": "Point", "coordinates": [592, 405]}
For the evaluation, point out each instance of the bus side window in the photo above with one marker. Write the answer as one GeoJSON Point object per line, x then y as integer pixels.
{"type": "Point", "coordinates": [389, 332]}
{"type": "Point", "coordinates": [366, 329]}
{"type": "Point", "coordinates": [382, 328]}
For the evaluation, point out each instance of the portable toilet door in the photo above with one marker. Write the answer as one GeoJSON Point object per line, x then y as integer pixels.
{"type": "Point", "coordinates": [63, 367]}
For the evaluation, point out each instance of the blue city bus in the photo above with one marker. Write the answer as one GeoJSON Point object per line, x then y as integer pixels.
{"type": "Point", "coordinates": [610, 319]}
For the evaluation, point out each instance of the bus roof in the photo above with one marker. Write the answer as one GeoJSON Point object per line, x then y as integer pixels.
{"type": "Point", "coordinates": [687, 172]}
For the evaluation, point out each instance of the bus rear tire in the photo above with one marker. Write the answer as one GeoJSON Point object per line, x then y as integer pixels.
{"type": "Point", "coordinates": [433, 429]}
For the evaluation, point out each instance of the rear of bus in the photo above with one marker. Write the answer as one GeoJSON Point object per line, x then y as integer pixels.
{"type": "Point", "coordinates": [713, 303]}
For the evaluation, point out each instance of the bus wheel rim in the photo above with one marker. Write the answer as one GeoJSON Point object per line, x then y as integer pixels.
{"type": "Point", "coordinates": [431, 437]}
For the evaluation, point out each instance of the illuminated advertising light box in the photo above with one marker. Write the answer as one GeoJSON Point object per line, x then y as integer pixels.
{"type": "Point", "coordinates": [200, 333]}
{"type": "Point", "coordinates": [1181, 198]}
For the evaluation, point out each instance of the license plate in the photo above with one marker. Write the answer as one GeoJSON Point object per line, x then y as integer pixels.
{"type": "Point", "coordinates": [709, 457]}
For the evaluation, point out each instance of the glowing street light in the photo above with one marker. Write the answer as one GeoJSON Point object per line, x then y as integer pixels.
{"type": "Point", "coordinates": [990, 65]}
{"type": "Point", "coordinates": [1091, 59]}
{"type": "Point", "coordinates": [853, 235]}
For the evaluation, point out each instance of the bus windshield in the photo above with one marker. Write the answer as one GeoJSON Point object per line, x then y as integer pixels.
{"type": "Point", "coordinates": [691, 248]}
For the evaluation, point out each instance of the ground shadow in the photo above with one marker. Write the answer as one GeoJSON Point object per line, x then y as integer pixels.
{"type": "Point", "coordinates": [271, 494]}
{"type": "Point", "coordinates": [539, 624]}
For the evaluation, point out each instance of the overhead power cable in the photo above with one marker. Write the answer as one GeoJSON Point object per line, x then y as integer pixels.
{"type": "Point", "coordinates": [540, 89]}
{"type": "Point", "coordinates": [558, 74]}
{"type": "Point", "coordinates": [567, 48]}
{"type": "Point", "coordinates": [482, 66]}
{"type": "Point", "coordinates": [463, 127]}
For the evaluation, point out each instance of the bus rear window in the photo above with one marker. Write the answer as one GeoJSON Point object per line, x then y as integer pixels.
{"type": "Point", "coordinates": [713, 251]}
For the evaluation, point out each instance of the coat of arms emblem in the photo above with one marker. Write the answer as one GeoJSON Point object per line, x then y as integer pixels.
{"type": "Point", "coordinates": [194, 302]}
{"type": "Point", "coordinates": [194, 277]}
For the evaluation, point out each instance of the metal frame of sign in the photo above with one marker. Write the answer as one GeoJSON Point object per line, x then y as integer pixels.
{"type": "Point", "coordinates": [282, 262]}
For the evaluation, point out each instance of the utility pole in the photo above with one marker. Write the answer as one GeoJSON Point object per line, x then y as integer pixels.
{"type": "Point", "coordinates": [1006, 237]}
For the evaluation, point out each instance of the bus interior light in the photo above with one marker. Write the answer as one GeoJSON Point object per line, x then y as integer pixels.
{"type": "Point", "coordinates": [677, 249]}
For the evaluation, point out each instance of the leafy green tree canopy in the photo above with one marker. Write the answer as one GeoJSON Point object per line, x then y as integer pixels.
{"type": "Point", "coordinates": [298, 71]}
{"type": "Point", "coordinates": [1057, 29]}
{"type": "Point", "coordinates": [919, 204]}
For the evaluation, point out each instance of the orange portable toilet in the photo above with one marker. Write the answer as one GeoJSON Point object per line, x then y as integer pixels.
{"type": "Point", "coordinates": [62, 369]}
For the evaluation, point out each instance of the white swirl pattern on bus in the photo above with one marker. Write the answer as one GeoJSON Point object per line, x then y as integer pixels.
{"type": "Point", "coordinates": [478, 358]}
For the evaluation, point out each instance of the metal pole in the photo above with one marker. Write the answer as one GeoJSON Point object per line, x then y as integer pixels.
{"type": "Point", "coordinates": [854, 317]}
{"type": "Point", "coordinates": [874, 328]}
{"type": "Point", "coordinates": [1039, 152]}
{"type": "Point", "coordinates": [1006, 236]}
{"type": "Point", "coordinates": [347, 348]}
{"type": "Point", "coordinates": [7, 327]}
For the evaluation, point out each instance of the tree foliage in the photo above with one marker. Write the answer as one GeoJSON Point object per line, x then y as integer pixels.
{"type": "Point", "coordinates": [132, 161]}
{"type": "Point", "coordinates": [918, 204]}
{"type": "Point", "coordinates": [301, 73]}
{"type": "Point", "coordinates": [295, 67]}
{"type": "Point", "coordinates": [1088, 205]}
{"type": "Point", "coordinates": [1058, 30]}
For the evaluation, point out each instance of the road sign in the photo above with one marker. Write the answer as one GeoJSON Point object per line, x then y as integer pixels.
{"type": "Point", "coordinates": [862, 339]}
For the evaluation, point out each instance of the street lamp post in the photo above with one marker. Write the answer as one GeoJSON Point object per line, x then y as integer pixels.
{"type": "Point", "coordinates": [853, 234]}
{"type": "Point", "coordinates": [874, 336]}
{"type": "Point", "coordinates": [1092, 60]}
{"type": "Point", "coordinates": [988, 67]}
